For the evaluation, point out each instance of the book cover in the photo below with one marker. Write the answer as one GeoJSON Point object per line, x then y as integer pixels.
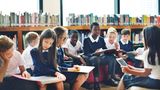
{"type": "Point", "coordinates": [40, 79]}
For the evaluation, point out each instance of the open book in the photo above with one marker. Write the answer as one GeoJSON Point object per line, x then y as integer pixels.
{"type": "Point", "coordinates": [83, 69]}
{"type": "Point", "coordinates": [40, 79]}
{"type": "Point", "coordinates": [109, 51]}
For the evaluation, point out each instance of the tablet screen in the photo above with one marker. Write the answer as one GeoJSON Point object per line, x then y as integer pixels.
{"type": "Point", "coordinates": [121, 62]}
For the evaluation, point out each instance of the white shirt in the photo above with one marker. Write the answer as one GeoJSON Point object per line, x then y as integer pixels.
{"type": "Point", "coordinates": [93, 40]}
{"type": "Point", "coordinates": [14, 63]}
{"type": "Point", "coordinates": [73, 49]}
{"type": "Point", "coordinates": [27, 57]}
{"type": "Point", "coordinates": [109, 45]}
{"type": "Point", "coordinates": [155, 73]}
{"type": "Point", "coordinates": [124, 42]}
{"type": "Point", "coordinates": [140, 50]}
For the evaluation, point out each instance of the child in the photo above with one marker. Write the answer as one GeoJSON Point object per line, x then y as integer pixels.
{"type": "Point", "coordinates": [32, 39]}
{"type": "Point", "coordinates": [125, 43]}
{"type": "Point", "coordinates": [15, 65]}
{"type": "Point", "coordinates": [110, 41]}
{"type": "Point", "coordinates": [44, 57]}
{"type": "Point", "coordinates": [149, 77]}
{"type": "Point", "coordinates": [92, 45]}
{"type": "Point", "coordinates": [74, 79]}
{"type": "Point", "coordinates": [6, 52]}
{"type": "Point", "coordinates": [72, 47]}
{"type": "Point", "coordinates": [127, 46]}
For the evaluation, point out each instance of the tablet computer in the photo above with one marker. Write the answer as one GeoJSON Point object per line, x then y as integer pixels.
{"type": "Point", "coordinates": [121, 62]}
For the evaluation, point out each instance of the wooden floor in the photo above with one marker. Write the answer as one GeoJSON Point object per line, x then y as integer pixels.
{"type": "Point", "coordinates": [103, 87]}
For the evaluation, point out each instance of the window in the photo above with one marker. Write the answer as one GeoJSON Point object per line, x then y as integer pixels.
{"type": "Point", "coordinates": [97, 7]}
{"type": "Point", "coordinates": [7, 6]}
{"type": "Point", "coordinates": [139, 7]}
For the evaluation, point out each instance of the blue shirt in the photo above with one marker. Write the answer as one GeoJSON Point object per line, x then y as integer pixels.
{"type": "Point", "coordinates": [60, 60]}
{"type": "Point", "coordinates": [126, 47]}
{"type": "Point", "coordinates": [90, 47]}
{"type": "Point", "coordinates": [42, 66]}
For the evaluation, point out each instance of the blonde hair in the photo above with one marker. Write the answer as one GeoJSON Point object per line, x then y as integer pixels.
{"type": "Point", "coordinates": [112, 30]}
{"type": "Point", "coordinates": [30, 36]}
{"type": "Point", "coordinates": [5, 43]}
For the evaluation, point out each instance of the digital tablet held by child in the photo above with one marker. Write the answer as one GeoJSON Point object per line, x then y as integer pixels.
{"type": "Point", "coordinates": [121, 62]}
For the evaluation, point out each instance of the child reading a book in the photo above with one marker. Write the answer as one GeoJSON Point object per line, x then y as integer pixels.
{"type": "Point", "coordinates": [127, 46]}
{"type": "Point", "coordinates": [6, 52]}
{"type": "Point", "coordinates": [149, 77]}
{"type": "Point", "coordinates": [44, 57]}
{"type": "Point", "coordinates": [72, 47]}
{"type": "Point", "coordinates": [112, 43]}
{"type": "Point", "coordinates": [14, 66]}
{"type": "Point", "coordinates": [75, 79]}
{"type": "Point", "coordinates": [32, 39]}
{"type": "Point", "coordinates": [92, 46]}
{"type": "Point", "coordinates": [111, 39]}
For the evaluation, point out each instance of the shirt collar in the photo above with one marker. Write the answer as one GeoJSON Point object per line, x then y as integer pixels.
{"type": "Point", "coordinates": [93, 40]}
{"type": "Point", "coordinates": [124, 42]}
{"type": "Point", "coordinates": [45, 50]}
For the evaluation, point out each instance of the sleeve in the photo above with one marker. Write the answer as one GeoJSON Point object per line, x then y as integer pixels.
{"type": "Point", "coordinates": [39, 67]}
{"type": "Point", "coordinates": [86, 48]}
{"type": "Point", "coordinates": [21, 61]}
{"type": "Point", "coordinates": [62, 66]}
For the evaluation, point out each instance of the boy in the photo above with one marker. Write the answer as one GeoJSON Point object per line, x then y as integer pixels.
{"type": "Point", "coordinates": [72, 48]}
{"type": "Point", "coordinates": [127, 45]}
{"type": "Point", "coordinates": [92, 46]}
{"type": "Point", "coordinates": [32, 39]}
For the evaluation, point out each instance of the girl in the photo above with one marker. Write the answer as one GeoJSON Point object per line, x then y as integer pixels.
{"type": "Point", "coordinates": [110, 41]}
{"type": "Point", "coordinates": [44, 57]}
{"type": "Point", "coordinates": [74, 79]}
{"type": "Point", "coordinates": [149, 77]}
{"type": "Point", "coordinates": [11, 64]}
{"type": "Point", "coordinates": [6, 52]}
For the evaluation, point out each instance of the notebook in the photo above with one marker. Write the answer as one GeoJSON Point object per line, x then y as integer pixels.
{"type": "Point", "coordinates": [83, 69]}
{"type": "Point", "coordinates": [41, 79]}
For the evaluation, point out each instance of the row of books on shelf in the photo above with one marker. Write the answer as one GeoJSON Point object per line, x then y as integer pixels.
{"type": "Point", "coordinates": [115, 19]}
{"type": "Point", "coordinates": [29, 19]}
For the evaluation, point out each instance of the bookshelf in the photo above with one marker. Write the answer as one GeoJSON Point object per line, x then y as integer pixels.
{"type": "Point", "coordinates": [20, 30]}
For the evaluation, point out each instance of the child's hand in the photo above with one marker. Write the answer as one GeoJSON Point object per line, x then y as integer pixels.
{"type": "Point", "coordinates": [26, 74]}
{"type": "Point", "coordinates": [125, 69]}
{"type": "Point", "coordinates": [147, 72]}
{"type": "Point", "coordinates": [4, 57]}
{"type": "Point", "coordinates": [60, 76]}
{"type": "Point", "coordinates": [116, 46]}
{"type": "Point", "coordinates": [66, 58]}
{"type": "Point", "coordinates": [97, 52]}
{"type": "Point", "coordinates": [74, 68]}
{"type": "Point", "coordinates": [82, 60]}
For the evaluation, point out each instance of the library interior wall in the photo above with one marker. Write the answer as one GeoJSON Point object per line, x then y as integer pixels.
{"type": "Point", "coordinates": [51, 6]}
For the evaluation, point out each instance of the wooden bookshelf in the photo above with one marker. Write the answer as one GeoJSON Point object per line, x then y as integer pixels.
{"type": "Point", "coordinates": [105, 27]}
{"type": "Point", "coordinates": [20, 30]}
